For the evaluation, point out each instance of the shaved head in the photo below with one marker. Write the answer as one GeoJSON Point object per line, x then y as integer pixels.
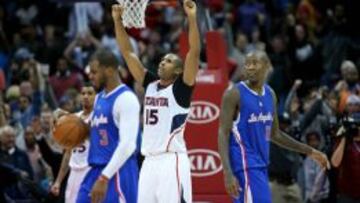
{"type": "Point", "coordinates": [261, 55]}
{"type": "Point", "coordinates": [177, 60]}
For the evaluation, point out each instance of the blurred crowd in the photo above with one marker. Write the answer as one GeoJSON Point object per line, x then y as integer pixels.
{"type": "Point", "coordinates": [314, 47]}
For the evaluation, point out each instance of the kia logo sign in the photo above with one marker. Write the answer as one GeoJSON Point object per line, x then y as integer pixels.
{"type": "Point", "coordinates": [203, 112]}
{"type": "Point", "coordinates": [204, 162]}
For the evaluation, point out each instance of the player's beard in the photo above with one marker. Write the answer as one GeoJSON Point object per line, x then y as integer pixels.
{"type": "Point", "coordinates": [101, 85]}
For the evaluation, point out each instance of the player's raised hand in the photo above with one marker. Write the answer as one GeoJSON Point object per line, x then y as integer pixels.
{"type": "Point", "coordinates": [117, 11]}
{"type": "Point", "coordinates": [320, 158]}
{"type": "Point", "coordinates": [232, 185]}
{"type": "Point", "coordinates": [190, 8]}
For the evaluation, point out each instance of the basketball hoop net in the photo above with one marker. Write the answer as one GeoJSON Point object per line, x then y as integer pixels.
{"type": "Point", "coordinates": [134, 11]}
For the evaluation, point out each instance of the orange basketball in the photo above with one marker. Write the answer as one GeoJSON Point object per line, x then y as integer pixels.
{"type": "Point", "coordinates": [70, 131]}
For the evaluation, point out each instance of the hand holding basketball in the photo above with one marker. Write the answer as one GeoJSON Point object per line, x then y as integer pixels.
{"type": "Point", "coordinates": [190, 8]}
{"type": "Point", "coordinates": [117, 11]}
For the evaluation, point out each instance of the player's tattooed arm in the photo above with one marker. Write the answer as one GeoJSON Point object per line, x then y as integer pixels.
{"type": "Point", "coordinates": [192, 58]}
{"type": "Point", "coordinates": [284, 140]}
{"type": "Point", "coordinates": [229, 107]}
{"type": "Point", "coordinates": [136, 68]}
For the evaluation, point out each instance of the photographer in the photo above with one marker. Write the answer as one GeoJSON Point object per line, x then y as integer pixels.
{"type": "Point", "coordinates": [346, 156]}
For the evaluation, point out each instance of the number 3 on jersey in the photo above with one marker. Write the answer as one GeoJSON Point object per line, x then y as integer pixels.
{"type": "Point", "coordinates": [151, 117]}
{"type": "Point", "coordinates": [103, 137]}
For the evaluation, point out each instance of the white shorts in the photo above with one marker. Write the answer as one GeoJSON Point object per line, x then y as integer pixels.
{"type": "Point", "coordinates": [165, 178]}
{"type": "Point", "coordinates": [73, 185]}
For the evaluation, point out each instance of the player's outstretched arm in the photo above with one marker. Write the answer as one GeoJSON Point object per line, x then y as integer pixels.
{"type": "Point", "coordinates": [282, 139]}
{"type": "Point", "coordinates": [135, 66]}
{"type": "Point", "coordinates": [64, 168]}
{"type": "Point", "coordinates": [192, 57]}
{"type": "Point", "coordinates": [229, 106]}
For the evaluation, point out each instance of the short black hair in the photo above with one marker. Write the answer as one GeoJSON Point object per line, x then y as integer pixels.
{"type": "Point", "coordinates": [87, 84]}
{"type": "Point", "coordinates": [106, 58]}
{"type": "Point", "coordinates": [178, 61]}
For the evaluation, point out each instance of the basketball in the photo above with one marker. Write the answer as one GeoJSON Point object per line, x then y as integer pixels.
{"type": "Point", "coordinates": [70, 131]}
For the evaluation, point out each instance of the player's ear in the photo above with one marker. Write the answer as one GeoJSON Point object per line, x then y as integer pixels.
{"type": "Point", "coordinates": [109, 71]}
{"type": "Point", "coordinates": [178, 70]}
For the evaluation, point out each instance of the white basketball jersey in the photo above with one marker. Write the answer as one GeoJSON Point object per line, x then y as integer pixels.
{"type": "Point", "coordinates": [79, 155]}
{"type": "Point", "coordinates": [164, 121]}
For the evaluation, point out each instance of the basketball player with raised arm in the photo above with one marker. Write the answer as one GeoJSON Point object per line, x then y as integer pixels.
{"type": "Point", "coordinates": [165, 173]}
{"type": "Point", "coordinates": [76, 159]}
{"type": "Point", "coordinates": [113, 174]}
{"type": "Point", "coordinates": [244, 143]}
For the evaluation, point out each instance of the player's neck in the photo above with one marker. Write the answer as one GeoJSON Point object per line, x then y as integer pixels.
{"type": "Point", "coordinates": [111, 84]}
{"type": "Point", "coordinates": [165, 83]}
{"type": "Point", "coordinates": [86, 111]}
{"type": "Point", "coordinates": [256, 86]}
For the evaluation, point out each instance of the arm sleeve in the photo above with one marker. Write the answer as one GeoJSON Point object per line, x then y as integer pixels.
{"type": "Point", "coordinates": [149, 77]}
{"type": "Point", "coordinates": [182, 92]}
{"type": "Point", "coordinates": [126, 112]}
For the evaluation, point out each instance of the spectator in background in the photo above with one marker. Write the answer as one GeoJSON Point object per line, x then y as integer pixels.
{"type": "Point", "coordinates": [26, 13]}
{"type": "Point", "coordinates": [46, 124]}
{"type": "Point", "coordinates": [10, 154]}
{"type": "Point", "coordinates": [302, 54]}
{"type": "Point", "coordinates": [309, 16]}
{"type": "Point", "coordinates": [256, 43]}
{"type": "Point", "coordinates": [30, 99]}
{"type": "Point", "coordinates": [280, 77]}
{"type": "Point", "coordinates": [51, 48]}
{"type": "Point", "coordinates": [108, 38]}
{"type": "Point", "coordinates": [92, 11]}
{"type": "Point", "coordinates": [64, 79]}
{"type": "Point", "coordinates": [17, 160]}
{"type": "Point", "coordinates": [248, 16]}
{"type": "Point", "coordinates": [349, 83]}
{"type": "Point", "coordinates": [238, 54]}
{"type": "Point", "coordinates": [313, 179]}
{"type": "Point", "coordinates": [8, 176]}
{"type": "Point", "coordinates": [78, 52]}
{"type": "Point", "coordinates": [346, 156]}
{"type": "Point", "coordinates": [42, 171]}
{"type": "Point", "coordinates": [51, 153]}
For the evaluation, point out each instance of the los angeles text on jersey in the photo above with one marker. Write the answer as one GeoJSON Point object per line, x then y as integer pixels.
{"type": "Point", "coordinates": [156, 101]}
{"type": "Point", "coordinates": [96, 121]}
{"type": "Point", "coordinates": [260, 118]}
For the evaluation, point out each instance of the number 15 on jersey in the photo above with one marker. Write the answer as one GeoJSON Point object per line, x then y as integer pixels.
{"type": "Point", "coordinates": [151, 117]}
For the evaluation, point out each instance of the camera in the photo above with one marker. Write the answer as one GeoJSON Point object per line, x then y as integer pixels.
{"type": "Point", "coordinates": [351, 124]}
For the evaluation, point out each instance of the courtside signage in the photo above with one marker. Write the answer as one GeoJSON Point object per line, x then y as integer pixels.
{"type": "Point", "coordinates": [203, 112]}
{"type": "Point", "coordinates": [204, 162]}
